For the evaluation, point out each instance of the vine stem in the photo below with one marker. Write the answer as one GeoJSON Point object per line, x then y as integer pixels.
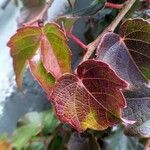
{"type": "Point", "coordinates": [92, 46]}
{"type": "Point", "coordinates": [112, 5]}
{"type": "Point", "coordinates": [41, 15]}
{"type": "Point", "coordinates": [78, 41]}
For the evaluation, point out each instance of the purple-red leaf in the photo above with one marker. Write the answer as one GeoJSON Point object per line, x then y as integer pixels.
{"type": "Point", "coordinates": [129, 53]}
{"type": "Point", "coordinates": [91, 100]}
{"type": "Point", "coordinates": [113, 51]}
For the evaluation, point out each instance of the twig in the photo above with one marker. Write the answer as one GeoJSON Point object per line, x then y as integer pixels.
{"type": "Point", "coordinates": [112, 5]}
{"type": "Point", "coordinates": [40, 17]}
{"type": "Point", "coordinates": [78, 41]}
{"type": "Point", "coordinates": [92, 46]}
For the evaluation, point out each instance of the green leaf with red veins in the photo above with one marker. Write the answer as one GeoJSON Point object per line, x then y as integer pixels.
{"type": "Point", "coordinates": [55, 53]}
{"type": "Point", "coordinates": [23, 46]}
{"type": "Point", "coordinates": [91, 100]}
{"type": "Point", "coordinates": [45, 79]}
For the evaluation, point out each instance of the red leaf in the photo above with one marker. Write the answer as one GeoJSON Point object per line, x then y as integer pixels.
{"type": "Point", "coordinates": [92, 100]}
{"type": "Point", "coordinates": [129, 52]}
{"type": "Point", "coordinates": [113, 51]}
{"type": "Point", "coordinates": [49, 59]}
{"type": "Point", "coordinates": [55, 53]}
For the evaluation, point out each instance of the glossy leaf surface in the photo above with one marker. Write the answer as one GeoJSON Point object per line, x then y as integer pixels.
{"type": "Point", "coordinates": [91, 100]}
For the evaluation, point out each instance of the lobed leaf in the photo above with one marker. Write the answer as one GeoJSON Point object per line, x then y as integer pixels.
{"type": "Point", "coordinates": [91, 100]}
{"type": "Point", "coordinates": [54, 52]}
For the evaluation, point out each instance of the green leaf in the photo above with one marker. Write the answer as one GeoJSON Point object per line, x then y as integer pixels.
{"type": "Point", "coordinates": [23, 134]}
{"type": "Point", "coordinates": [23, 46]}
{"type": "Point", "coordinates": [51, 44]}
{"type": "Point", "coordinates": [32, 124]}
{"type": "Point", "coordinates": [45, 79]}
{"type": "Point", "coordinates": [45, 119]}
{"type": "Point", "coordinates": [67, 21]}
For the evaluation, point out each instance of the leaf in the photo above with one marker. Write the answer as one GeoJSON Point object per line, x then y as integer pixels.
{"type": "Point", "coordinates": [23, 46]}
{"type": "Point", "coordinates": [136, 35]}
{"type": "Point", "coordinates": [67, 21]}
{"type": "Point", "coordinates": [138, 109]}
{"type": "Point", "coordinates": [45, 119]}
{"type": "Point", "coordinates": [55, 53]}
{"type": "Point", "coordinates": [50, 40]}
{"type": "Point", "coordinates": [113, 51]}
{"type": "Point", "coordinates": [91, 100]}
{"type": "Point", "coordinates": [119, 141]}
{"type": "Point", "coordinates": [45, 79]}
{"type": "Point", "coordinates": [32, 124]}
{"type": "Point", "coordinates": [23, 134]}
{"type": "Point", "coordinates": [93, 8]}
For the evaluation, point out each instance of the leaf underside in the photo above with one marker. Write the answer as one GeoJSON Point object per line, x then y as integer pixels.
{"type": "Point", "coordinates": [91, 100]}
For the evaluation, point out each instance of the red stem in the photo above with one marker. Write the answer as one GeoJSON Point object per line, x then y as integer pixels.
{"type": "Point", "coordinates": [78, 41]}
{"type": "Point", "coordinates": [112, 5]}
